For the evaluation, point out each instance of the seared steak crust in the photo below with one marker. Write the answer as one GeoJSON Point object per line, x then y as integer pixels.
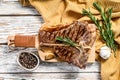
{"type": "Point", "coordinates": [78, 32]}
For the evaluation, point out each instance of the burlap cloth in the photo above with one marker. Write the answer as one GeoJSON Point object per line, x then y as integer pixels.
{"type": "Point", "coordinates": [65, 11]}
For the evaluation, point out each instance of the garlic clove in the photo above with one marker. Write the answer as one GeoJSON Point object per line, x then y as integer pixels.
{"type": "Point", "coordinates": [105, 52]}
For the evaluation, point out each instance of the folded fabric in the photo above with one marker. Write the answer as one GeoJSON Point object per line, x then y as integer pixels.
{"type": "Point", "coordinates": [65, 11]}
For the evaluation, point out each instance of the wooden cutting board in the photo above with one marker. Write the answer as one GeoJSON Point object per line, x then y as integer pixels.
{"type": "Point", "coordinates": [23, 40]}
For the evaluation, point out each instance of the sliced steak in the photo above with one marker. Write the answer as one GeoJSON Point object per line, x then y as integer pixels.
{"type": "Point", "coordinates": [80, 33]}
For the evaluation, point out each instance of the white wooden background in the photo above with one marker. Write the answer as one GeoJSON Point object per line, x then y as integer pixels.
{"type": "Point", "coordinates": [17, 19]}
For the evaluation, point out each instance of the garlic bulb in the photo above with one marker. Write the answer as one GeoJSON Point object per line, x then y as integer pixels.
{"type": "Point", "coordinates": [105, 52]}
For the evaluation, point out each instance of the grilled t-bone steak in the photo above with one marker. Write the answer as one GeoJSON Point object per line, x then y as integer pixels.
{"type": "Point", "coordinates": [81, 33]}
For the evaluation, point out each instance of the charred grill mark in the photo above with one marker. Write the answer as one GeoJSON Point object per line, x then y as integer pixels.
{"type": "Point", "coordinates": [58, 34]}
{"type": "Point", "coordinates": [48, 36]}
{"type": "Point", "coordinates": [85, 34]}
{"type": "Point", "coordinates": [75, 35]}
{"type": "Point", "coordinates": [66, 33]}
{"type": "Point", "coordinates": [61, 33]}
{"type": "Point", "coordinates": [69, 56]}
{"type": "Point", "coordinates": [65, 53]}
{"type": "Point", "coordinates": [52, 37]}
{"type": "Point", "coordinates": [81, 28]}
{"type": "Point", "coordinates": [71, 33]}
{"type": "Point", "coordinates": [55, 34]}
{"type": "Point", "coordinates": [80, 35]}
{"type": "Point", "coordinates": [74, 29]}
{"type": "Point", "coordinates": [42, 37]}
{"type": "Point", "coordinates": [69, 30]}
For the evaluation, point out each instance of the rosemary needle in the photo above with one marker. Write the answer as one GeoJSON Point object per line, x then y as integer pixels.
{"type": "Point", "coordinates": [105, 27]}
{"type": "Point", "coordinates": [68, 41]}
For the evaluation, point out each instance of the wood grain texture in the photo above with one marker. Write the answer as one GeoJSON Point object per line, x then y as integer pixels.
{"type": "Point", "coordinates": [15, 8]}
{"type": "Point", "coordinates": [52, 76]}
{"type": "Point", "coordinates": [8, 63]}
{"type": "Point", "coordinates": [18, 24]}
{"type": "Point", "coordinates": [10, 0]}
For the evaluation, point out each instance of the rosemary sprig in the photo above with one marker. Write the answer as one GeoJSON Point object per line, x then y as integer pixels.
{"type": "Point", "coordinates": [104, 28]}
{"type": "Point", "coordinates": [66, 41]}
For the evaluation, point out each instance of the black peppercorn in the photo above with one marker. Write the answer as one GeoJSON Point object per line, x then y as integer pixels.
{"type": "Point", "coordinates": [28, 60]}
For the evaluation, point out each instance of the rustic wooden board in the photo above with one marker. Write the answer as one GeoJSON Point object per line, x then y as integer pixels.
{"type": "Point", "coordinates": [52, 76]}
{"type": "Point", "coordinates": [8, 63]}
{"type": "Point", "coordinates": [15, 8]}
{"type": "Point", "coordinates": [18, 24]}
{"type": "Point", "coordinates": [10, 0]}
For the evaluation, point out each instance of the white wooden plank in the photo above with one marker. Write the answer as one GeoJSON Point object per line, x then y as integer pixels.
{"type": "Point", "coordinates": [53, 76]}
{"type": "Point", "coordinates": [8, 63]}
{"type": "Point", "coordinates": [29, 24]}
{"type": "Point", "coordinates": [18, 24]}
{"type": "Point", "coordinates": [10, 0]}
{"type": "Point", "coordinates": [15, 8]}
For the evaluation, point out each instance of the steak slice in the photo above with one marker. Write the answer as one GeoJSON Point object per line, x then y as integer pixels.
{"type": "Point", "coordinates": [81, 33]}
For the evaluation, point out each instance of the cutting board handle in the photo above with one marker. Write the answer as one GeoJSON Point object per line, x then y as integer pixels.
{"type": "Point", "coordinates": [20, 40]}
